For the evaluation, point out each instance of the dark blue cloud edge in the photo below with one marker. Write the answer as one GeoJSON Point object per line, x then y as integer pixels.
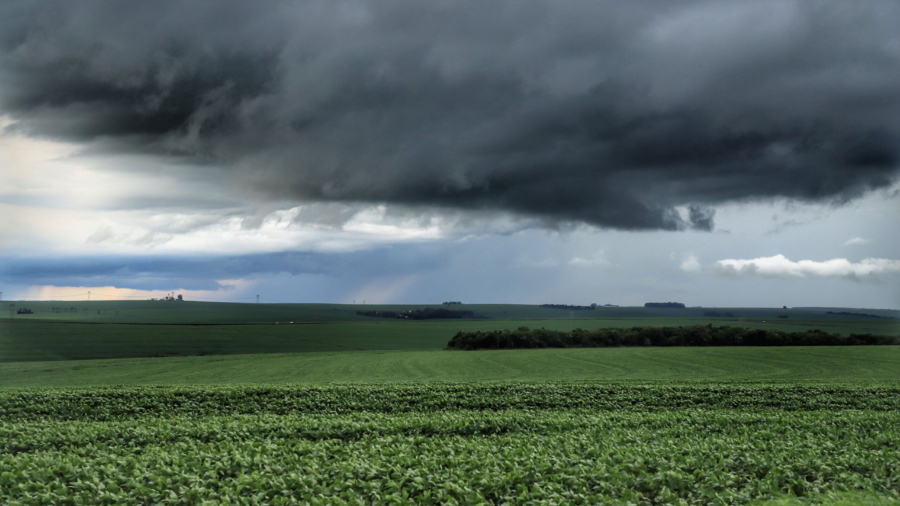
{"type": "Point", "coordinates": [204, 273]}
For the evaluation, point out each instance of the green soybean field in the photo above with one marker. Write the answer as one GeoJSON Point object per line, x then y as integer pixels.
{"type": "Point", "coordinates": [452, 443]}
{"type": "Point", "coordinates": [147, 403]}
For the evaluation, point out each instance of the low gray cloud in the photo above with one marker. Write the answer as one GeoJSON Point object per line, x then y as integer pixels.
{"type": "Point", "coordinates": [103, 233]}
{"type": "Point", "coordinates": [614, 114]}
{"type": "Point", "coordinates": [856, 241]}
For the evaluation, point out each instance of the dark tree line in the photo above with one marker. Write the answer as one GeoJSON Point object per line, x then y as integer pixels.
{"type": "Point", "coordinates": [862, 314]}
{"type": "Point", "coordinates": [670, 305]}
{"type": "Point", "coordinates": [569, 308]}
{"type": "Point", "coordinates": [420, 314]}
{"type": "Point", "coordinates": [698, 335]}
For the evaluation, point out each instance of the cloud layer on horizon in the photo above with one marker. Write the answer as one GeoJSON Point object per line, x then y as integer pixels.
{"type": "Point", "coordinates": [613, 114]}
{"type": "Point", "coordinates": [781, 266]}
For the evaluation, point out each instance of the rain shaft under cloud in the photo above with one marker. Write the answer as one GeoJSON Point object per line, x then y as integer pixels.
{"type": "Point", "coordinates": [615, 114]}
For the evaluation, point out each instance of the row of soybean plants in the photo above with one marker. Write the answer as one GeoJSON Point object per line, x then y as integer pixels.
{"type": "Point", "coordinates": [677, 456]}
{"type": "Point", "coordinates": [126, 403]}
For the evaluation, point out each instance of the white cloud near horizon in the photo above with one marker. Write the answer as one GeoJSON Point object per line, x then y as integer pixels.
{"type": "Point", "coordinates": [599, 258]}
{"type": "Point", "coordinates": [781, 266]}
{"type": "Point", "coordinates": [691, 264]}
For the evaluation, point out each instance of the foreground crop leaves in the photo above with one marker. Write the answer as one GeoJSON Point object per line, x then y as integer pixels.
{"type": "Point", "coordinates": [108, 404]}
{"type": "Point", "coordinates": [449, 444]}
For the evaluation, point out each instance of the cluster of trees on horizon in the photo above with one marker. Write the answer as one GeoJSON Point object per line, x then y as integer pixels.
{"type": "Point", "coordinates": [568, 307]}
{"type": "Point", "coordinates": [65, 309]}
{"type": "Point", "coordinates": [670, 305]}
{"type": "Point", "coordinates": [862, 314]}
{"type": "Point", "coordinates": [698, 335]}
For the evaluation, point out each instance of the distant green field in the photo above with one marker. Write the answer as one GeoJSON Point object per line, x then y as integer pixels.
{"type": "Point", "coordinates": [218, 312]}
{"type": "Point", "coordinates": [27, 340]}
{"type": "Point", "coordinates": [139, 330]}
{"type": "Point", "coordinates": [811, 364]}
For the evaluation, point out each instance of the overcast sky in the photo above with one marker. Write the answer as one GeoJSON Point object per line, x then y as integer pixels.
{"type": "Point", "coordinates": [716, 153]}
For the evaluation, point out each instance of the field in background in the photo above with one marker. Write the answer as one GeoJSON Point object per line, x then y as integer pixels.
{"type": "Point", "coordinates": [218, 312]}
{"type": "Point", "coordinates": [105, 330]}
{"type": "Point", "coordinates": [43, 340]}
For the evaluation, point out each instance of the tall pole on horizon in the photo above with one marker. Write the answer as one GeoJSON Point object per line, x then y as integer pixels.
{"type": "Point", "coordinates": [257, 299]}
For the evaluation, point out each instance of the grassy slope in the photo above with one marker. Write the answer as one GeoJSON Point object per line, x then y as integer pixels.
{"type": "Point", "coordinates": [847, 364]}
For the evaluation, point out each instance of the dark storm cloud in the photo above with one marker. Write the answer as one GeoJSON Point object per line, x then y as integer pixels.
{"type": "Point", "coordinates": [610, 113]}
